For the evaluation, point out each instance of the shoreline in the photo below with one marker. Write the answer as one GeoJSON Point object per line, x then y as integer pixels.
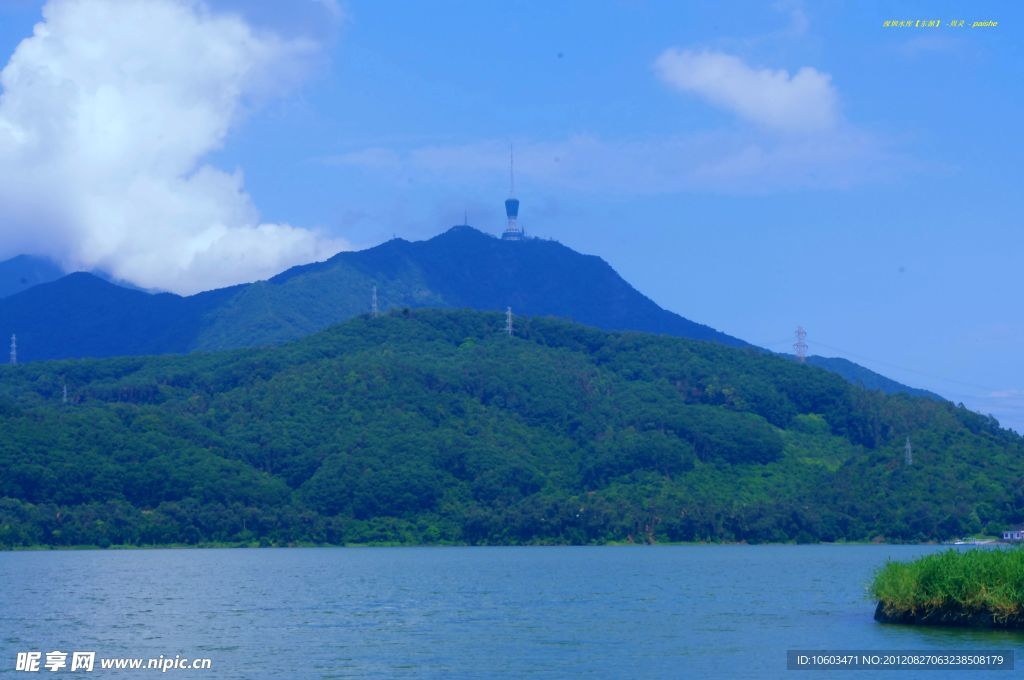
{"type": "Point", "coordinates": [948, 615]}
{"type": "Point", "coordinates": [391, 544]}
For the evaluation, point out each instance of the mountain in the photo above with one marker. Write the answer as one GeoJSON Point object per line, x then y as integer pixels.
{"type": "Point", "coordinates": [461, 268]}
{"type": "Point", "coordinates": [24, 271]}
{"type": "Point", "coordinates": [84, 316]}
{"type": "Point", "coordinates": [81, 315]}
{"type": "Point", "coordinates": [433, 426]}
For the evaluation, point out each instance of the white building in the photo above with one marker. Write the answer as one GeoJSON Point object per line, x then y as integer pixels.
{"type": "Point", "coordinates": [1014, 534]}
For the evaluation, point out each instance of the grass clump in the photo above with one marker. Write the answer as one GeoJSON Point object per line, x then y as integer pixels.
{"type": "Point", "coordinates": [953, 585]}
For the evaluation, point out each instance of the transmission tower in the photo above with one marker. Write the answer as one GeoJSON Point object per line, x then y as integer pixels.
{"type": "Point", "coordinates": [508, 321]}
{"type": "Point", "coordinates": [376, 309]}
{"type": "Point", "coordinates": [800, 346]}
{"type": "Point", "coordinates": [908, 453]}
{"type": "Point", "coordinates": [64, 398]}
{"type": "Point", "coordinates": [14, 350]}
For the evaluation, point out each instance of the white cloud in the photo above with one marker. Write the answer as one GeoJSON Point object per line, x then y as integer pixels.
{"type": "Point", "coordinates": [828, 153]}
{"type": "Point", "coordinates": [107, 113]}
{"type": "Point", "coordinates": [721, 161]}
{"type": "Point", "coordinates": [1006, 405]}
{"type": "Point", "coordinates": [1017, 395]}
{"type": "Point", "coordinates": [371, 157]}
{"type": "Point", "coordinates": [803, 102]}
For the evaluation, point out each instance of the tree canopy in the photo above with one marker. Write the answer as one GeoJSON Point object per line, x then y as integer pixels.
{"type": "Point", "coordinates": [431, 426]}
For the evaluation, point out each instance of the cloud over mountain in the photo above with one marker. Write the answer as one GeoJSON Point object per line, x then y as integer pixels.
{"type": "Point", "coordinates": [107, 115]}
{"type": "Point", "coordinates": [802, 102]}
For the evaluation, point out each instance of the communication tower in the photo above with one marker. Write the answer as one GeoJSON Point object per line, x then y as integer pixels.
{"type": "Point", "coordinates": [513, 232]}
{"type": "Point", "coordinates": [14, 350]}
{"type": "Point", "coordinates": [375, 308]}
{"type": "Point", "coordinates": [508, 320]}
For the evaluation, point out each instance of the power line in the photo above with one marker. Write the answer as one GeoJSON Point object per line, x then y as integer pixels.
{"type": "Point", "coordinates": [888, 364]}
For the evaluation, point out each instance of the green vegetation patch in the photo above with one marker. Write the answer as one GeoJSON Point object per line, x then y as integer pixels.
{"type": "Point", "coordinates": [430, 426]}
{"type": "Point", "coordinates": [973, 588]}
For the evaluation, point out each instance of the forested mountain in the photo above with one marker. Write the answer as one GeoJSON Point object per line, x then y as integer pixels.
{"type": "Point", "coordinates": [84, 316]}
{"type": "Point", "coordinates": [433, 426]}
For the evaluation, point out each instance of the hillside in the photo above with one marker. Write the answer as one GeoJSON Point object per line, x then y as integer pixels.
{"type": "Point", "coordinates": [429, 426]}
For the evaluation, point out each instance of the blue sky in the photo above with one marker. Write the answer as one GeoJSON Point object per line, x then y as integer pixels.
{"type": "Point", "coordinates": [752, 166]}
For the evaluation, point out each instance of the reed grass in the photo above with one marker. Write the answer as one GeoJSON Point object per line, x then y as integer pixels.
{"type": "Point", "coordinates": [980, 580]}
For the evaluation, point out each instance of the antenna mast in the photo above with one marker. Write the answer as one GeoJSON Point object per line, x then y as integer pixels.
{"type": "Point", "coordinates": [376, 308]}
{"type": "Point", "coordinates": [800, 346]}
{"type": "Point", "coordinates": [14, 350]}
{"type": "Point", "coordinates": [908, 453]}
{"type": "Point", "coordinates": [508, 320]}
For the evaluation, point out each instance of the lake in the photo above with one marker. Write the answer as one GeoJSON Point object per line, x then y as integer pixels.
{"type": "Point", "coordinates": [665, 611]}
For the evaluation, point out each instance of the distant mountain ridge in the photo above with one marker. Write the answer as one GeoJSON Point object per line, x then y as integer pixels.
{"type": "Point", "coordinates": [858, 375]}
{"type": "Point", "coordinates": [25, 271]}
{"type": "Point", "coordinates": [81, 315]}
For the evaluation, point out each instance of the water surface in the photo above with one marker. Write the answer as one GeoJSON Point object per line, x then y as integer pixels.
{"type": "Point", "coordinates": [671, 611]}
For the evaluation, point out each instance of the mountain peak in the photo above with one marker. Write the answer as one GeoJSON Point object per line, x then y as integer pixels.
{"type": "Point", "coordinates": [457, 228]}
{"type": "Point", "coordinates": [463, 231]}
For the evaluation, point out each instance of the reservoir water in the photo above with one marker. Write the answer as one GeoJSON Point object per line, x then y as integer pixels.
{"type": "Point", "coordinates": [725, 611]}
